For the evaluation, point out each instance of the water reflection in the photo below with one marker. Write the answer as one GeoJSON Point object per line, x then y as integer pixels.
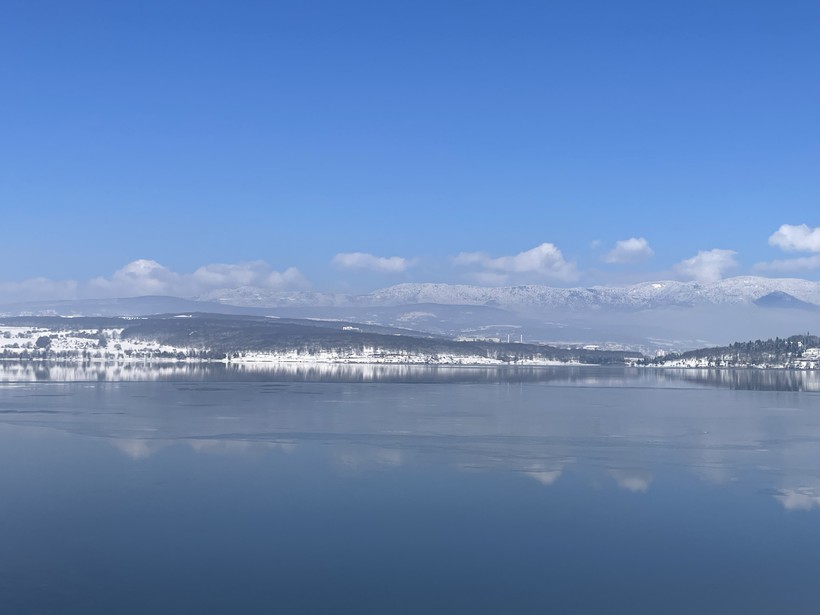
{"type": "Point", "coordinates": [516, 496]}
{"type": "Point", "coordinates": [628, 435]}
{"type": "Point", "coordinates": [800, 498]}
{"type": "Point", "coordinates": [591, 376]}
{"type": "Point", "coordinates": [636, 481]}
{"type": "Point", "coordinates": [748, 379]}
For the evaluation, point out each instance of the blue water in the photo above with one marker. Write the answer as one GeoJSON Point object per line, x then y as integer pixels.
{"type": "Point", "coordinates": [604, 491]}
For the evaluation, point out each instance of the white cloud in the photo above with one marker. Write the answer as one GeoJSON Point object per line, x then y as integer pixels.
{"type": "Point", "coordinates": [545, 260]}
{"type": "Point", "coordinates": [362, 260]}
{"type": "Point", "coordinates": [789, 265]}
{"type": "Point", "coordinates": [254, 273]}
{"type": "Point", "coordinates": [35, 289]}
{"type": "Point", "coordinates": [148, 277]}
{"type": "Point", "coordinates": [707, 266]}
{"type": "Point", "coordinates": [139, 277]}
{"type": "Point", "coordinates": [796, 238]}
{"type": "Point", "coordinates": [632, 250]}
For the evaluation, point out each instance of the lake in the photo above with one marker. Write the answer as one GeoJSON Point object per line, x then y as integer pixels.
{"type": "Point", "coordinates": [208, 489]}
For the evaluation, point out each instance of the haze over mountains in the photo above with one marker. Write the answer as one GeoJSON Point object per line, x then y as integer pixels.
{"type": "Point", "coordinates": [669, 315]}
{"type": "Point", "coordinates": [647, 295]}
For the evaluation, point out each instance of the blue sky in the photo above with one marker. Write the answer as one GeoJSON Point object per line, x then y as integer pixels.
{"type": "Point", "coordinates": [194, 133]}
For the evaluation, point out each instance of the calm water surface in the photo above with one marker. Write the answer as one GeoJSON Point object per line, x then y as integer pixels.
{"type": "Point", "coordinates": [382, 490]}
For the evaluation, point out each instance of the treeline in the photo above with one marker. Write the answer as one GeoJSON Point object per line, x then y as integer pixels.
{"type": "Point", "coordinates": [777, 350]}
{"type": "Point", "coordinates": [248, 335]}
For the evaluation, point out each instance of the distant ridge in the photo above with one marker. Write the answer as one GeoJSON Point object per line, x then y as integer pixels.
{"type": "Point", "coordinates": [649, 317]}
{"type": "Point", "coordinates": [745, 290]}
{"type": "Point", "coordinates": [648, 295]}
{"type": "Point", "coordinates": [125, 306]}
{"type": "Point", "coordinates": [779, 299]}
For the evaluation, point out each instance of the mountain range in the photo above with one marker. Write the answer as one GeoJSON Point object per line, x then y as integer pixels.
{"type": "Point", "coordinates": [663, 315]}
{"type": "Point", "coordinates": [647, 295]}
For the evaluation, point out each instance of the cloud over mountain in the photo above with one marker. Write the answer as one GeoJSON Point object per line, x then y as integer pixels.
{"type": "Point", "coordinates": [796, 238]}
{"type": "Point", "coordinates": [545, 261]}
{"type": "Point", "coordinates": [789, 265]}
{"type": "Point", "coordinates": [34, 289]}
{"type": "Point", "coordinates": [148, 277]}
{"type": "Point", "coordinates": [793, 238]}
{"type": "Point", "coordinates": [363, 260]}
{"type": "Point", "coordinates": [632, 250]}
{"type": "Point", "coordinates": [707, 265]}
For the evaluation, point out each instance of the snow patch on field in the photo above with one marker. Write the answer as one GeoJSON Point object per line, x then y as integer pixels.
{"type": "Point", "coordinates": [87, 344]}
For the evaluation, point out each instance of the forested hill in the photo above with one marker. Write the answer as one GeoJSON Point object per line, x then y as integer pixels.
{"type": "Point", "coordinates": [210, 336]}
{"type": "Point", "coordinates": [795, 351]}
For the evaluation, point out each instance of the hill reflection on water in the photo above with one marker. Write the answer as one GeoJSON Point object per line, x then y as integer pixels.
{"type": "Point", "coordinates": [748, 379]}
{"type": "Point", "coordinates": [736, 379]}
{"type": "Point", "coordinates": [630, 426]}
{"type": "Point", "coordinates": [673, 475]}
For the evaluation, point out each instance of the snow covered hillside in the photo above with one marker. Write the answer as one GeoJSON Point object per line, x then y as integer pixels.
{"type": "Point", "coordinates": [648, 295]}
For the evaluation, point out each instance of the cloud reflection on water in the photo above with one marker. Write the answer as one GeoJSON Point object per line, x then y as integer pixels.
{"type": "Point", "coordinates": [801, 498]}
{"type": "Point", "coordinates": [636, 428]}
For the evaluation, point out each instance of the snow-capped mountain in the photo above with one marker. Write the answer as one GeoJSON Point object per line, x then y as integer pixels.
{"type": "Point", "coordinates": [648, 295]}
{"type": "Point", "coordinates": [663, 315]}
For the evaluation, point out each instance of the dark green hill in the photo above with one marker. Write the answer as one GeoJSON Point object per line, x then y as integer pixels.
{"type": "Point", "coordinates": [757, 352]}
